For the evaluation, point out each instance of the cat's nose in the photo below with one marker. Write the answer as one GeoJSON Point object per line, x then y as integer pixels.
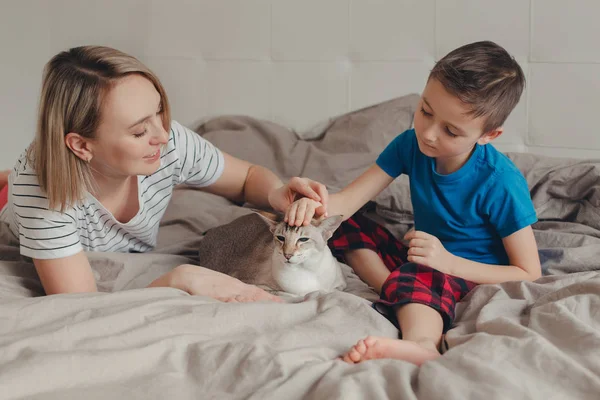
{"type": "Point", "coordinates": [287, 256]}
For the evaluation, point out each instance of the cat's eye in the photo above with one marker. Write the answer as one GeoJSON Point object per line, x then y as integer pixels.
{"type": "Point", "coordinates": [280, 238]}
{"type": "Point", "coordinates": [303, 240]}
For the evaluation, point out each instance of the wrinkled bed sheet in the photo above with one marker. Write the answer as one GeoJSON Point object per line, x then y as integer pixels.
{"type": "Point", "coordinates": [512, 341]}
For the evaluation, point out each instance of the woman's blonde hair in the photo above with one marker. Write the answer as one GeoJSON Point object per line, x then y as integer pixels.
{"type": "Point", "coordinates": [74, 86]}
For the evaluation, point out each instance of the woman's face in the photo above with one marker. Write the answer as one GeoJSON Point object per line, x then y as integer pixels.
{"type": "Point", "coordinates": [131, 134]}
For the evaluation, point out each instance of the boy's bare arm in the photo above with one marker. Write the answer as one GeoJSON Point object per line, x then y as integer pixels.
{"type": "Point", "coordinates": [522, 255]}
{"type": "Point", "coordinates": [523, 258]}
{"type": "Point", "coordinates": [346, 202]}
{"type": "Point", "coordinates": [359, 192]}
{"type": "Point", "coordinates": [520, 247]}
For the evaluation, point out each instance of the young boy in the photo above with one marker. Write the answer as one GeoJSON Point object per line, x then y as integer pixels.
{"type": "Point", "coordinates": [472, 207]}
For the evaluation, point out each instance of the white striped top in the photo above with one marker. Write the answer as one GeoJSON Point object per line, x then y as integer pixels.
{"type": "Point", "coordinates": [48, 234]}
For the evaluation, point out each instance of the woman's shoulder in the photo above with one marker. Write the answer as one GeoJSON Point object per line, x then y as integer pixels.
{"type": "Point", "coordinates": [176, 125]}
{"type": "Point", "coordinates": [181, 134]}
{"type": "Point", "coordinates": [178, 133]}
{"type": "Point", "coordinates": [26, 193]}
{"type": "Point", "coordinates": [24, 162]}
{"type": "Point", "coordinates": [24, 171]}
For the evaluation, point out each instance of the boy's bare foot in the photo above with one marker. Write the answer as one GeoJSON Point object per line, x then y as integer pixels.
{"type": "Point", "coordinates": [380, 347]}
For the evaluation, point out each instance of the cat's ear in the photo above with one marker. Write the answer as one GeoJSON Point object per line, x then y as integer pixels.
{"type": "Point", "coordinates": [270, 219]}
{"type": "Point", "coordinates": [329, 225]}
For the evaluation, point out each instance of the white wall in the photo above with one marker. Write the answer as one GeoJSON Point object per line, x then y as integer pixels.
{"type": "Point", "coordinates": [300, 61]}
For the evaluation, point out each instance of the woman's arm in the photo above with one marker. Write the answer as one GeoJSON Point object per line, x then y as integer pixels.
{"type": "Point", "coordinates": [72, 274]}
{"type": "Point", "coordinates": [200, 281]}
{"type": "Point", "coordinates": [245, 182]}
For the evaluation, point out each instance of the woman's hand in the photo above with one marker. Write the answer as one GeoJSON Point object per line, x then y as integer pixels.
{"type": "Point", "coordinates": [282, 198]}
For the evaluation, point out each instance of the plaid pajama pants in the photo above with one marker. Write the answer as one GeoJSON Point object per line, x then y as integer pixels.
{"type": "Point", "coordinates": [408, 282]}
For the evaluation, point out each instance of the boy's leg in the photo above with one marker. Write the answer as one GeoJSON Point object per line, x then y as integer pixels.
{"type": "Point", "coordinates": [421, 336]}
{"type": "Point", "coordinates": [421, 324]}
{"type": "Point", "coordinates": [368, 248]}
{"type": "Point", "coordinates": [368, 266]}
{"type": "Point", "coordinates": [421, 301]}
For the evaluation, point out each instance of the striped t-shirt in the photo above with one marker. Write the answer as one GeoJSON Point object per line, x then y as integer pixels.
{"type": "Point", "coordinates": [48, 234]}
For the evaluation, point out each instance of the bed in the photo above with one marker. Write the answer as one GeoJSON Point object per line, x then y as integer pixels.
{"type": "Point", "coordinates": [515, 340]}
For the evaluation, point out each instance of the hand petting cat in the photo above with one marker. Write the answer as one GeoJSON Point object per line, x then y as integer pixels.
{"type": "Point", "coordinates": [284, 197]}
{"type": "Point", "coordinates": [302, 211]}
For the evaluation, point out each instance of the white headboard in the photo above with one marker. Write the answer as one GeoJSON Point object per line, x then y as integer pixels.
{"type": "Point", "coordinates": [299, 62]}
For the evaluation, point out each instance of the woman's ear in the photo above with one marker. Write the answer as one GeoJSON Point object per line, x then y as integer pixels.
{"type": "Point", "coordinates": [79, 146]}
{"type": "Point", "coordinates": [489, 136]}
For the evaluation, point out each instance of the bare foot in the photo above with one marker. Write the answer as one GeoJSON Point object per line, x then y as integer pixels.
{"type": "Point", "coordinates": [373, 347]}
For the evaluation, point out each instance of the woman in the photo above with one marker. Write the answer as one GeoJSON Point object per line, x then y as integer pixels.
{"type": "Point", "coordinates": [101, 171]}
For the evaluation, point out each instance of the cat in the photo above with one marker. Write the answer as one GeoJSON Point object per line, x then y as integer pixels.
{"type": "Point", "coordinates": [301, 260]}
{"type": "Point", "coordinates": [248, 248]}
{"type": "Point", "coordinates": [241, 249]}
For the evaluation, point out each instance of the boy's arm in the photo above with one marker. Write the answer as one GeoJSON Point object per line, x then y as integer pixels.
{"type": "Point", "coordinates": [523, 257]}
{"type": "Point", "coordinates": [346, 202]}
{"type": "Point", "coordinates": [359, 192]}
{"type": "Point", "coordinates": [241, 181]}
{"type": "Point", "coordinates": [520, 246]}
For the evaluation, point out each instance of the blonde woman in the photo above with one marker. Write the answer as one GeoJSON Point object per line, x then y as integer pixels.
{"type": "Point", "coordinates": [101, 171]}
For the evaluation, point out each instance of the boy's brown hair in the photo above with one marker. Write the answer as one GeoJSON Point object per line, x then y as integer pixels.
{"type": "Point", "coordinates": [485, 77]}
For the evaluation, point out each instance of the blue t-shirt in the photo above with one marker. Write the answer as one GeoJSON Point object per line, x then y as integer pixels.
{"type": "Point", "coordinates": [469, 210]}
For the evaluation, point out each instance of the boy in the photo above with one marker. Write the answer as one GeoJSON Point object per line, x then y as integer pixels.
{"type": "Point", "coordinates": [472, 207]}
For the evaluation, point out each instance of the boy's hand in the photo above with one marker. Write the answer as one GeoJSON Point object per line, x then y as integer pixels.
{"type": "Point", "coordinates": [427, 250]}
{"type": "Point", "coordinates": [301, 211]}
{"type": "Point", "coordinates": [282, 198]}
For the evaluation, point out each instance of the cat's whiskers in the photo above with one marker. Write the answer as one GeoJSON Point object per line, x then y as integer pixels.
{"type": "Point", "coordinates": [302, 262]}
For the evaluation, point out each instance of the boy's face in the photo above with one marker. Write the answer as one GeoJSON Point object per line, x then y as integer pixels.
{"type": "Point", "coordinates": [443, 127]}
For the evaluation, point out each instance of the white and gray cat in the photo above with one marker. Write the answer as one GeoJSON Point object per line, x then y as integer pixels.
{"type": "Point", "coordinates": [269, 253]}
{"type": "Point", "coordinates": [301, 261]}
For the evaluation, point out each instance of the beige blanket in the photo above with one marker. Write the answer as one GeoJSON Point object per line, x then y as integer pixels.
{"type": "Point", "coordinates": [512, 341]}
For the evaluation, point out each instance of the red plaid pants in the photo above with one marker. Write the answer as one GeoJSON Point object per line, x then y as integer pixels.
{"type": "Point", "coordinates": [408, 282]}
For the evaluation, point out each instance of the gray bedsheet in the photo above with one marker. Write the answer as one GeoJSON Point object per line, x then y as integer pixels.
{"type": "Point", "coordinates": [512, 341]}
